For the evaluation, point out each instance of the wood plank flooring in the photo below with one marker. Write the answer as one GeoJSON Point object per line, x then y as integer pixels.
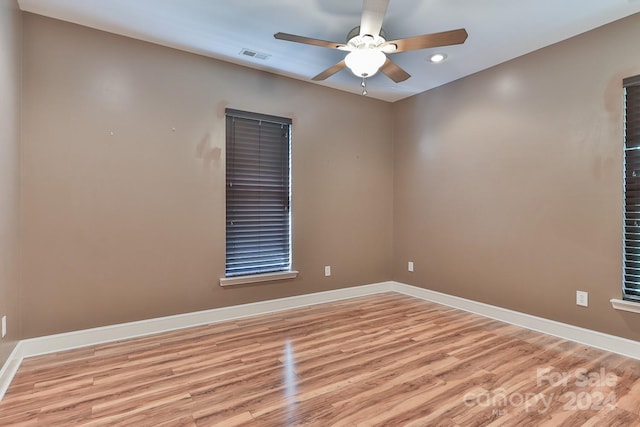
{"type": "Point", "coordinates": [387, 360]}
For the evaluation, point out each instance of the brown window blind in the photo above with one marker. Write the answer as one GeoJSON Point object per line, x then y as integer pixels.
{"type": "Point", "coordinates": [631, 240]}
{"type": "Point", "coordinates": [257, 193]}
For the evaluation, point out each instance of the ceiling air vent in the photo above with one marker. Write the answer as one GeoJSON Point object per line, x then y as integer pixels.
{"type": "Point", "coordinates": [254, 54]}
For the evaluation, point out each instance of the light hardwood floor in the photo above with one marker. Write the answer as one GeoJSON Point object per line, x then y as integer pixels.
{"type": "Point", "coordinates": [386, 359]}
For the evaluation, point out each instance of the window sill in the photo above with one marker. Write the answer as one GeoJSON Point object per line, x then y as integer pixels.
{"type": "Point", "coordinates": [257, 278]}
{"type": "Point", "coordinates": [631, 306]}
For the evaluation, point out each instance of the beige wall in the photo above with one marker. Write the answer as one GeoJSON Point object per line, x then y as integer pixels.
{"type": "Point", "coordinates": [10, 42]}
{"type": "Point", "coordinates": [504, 187]}
{"type": "Point", "coordinates": [131, 225]}
{"type": "Point", "coordinates": [508, 183]}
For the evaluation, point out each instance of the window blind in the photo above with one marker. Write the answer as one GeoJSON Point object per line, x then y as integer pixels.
{"type": "Point", "coordinates": [631, 240]}
{"type": "Point", "coordinates": [257, 193]}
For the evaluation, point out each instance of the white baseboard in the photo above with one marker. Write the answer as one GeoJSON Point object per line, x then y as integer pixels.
{"type": "Point", "coordinates": [612, 343]}
{"type": "Point", "coordinates": [67, 341]}
{"type": "Point", "coordinates": [70, 340]}
{"type": "Point", "coordinates": [10, 368]}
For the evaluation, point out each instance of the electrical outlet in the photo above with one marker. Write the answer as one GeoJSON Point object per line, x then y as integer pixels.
{"type": "Point", "coordinates": [4, 326]}
{"type": "Point", "coordinates": [327, 270]}
{"type": "Point", "coordinates": [410, 266]}
{"type": "Point", "coordinates": [582, 298]}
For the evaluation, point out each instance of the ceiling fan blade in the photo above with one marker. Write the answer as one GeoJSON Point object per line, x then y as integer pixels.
{"type": "Point", "coordinates": [373, 12]}
{"type": "Point", "coordinates": [445, 38]}
{"type": "Point", "coordinates": [330, 71]}
{"type": "Point", "coordinates": [308, 40]}
{"type": "Point", "coordinates": [394, 72]}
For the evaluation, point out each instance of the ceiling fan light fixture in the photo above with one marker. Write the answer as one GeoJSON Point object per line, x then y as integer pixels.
{"type": "Point", "coordinates": [365, 62]}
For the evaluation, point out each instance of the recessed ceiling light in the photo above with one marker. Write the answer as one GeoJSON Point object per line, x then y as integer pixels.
{"type": "Point", "coordinates": [437, 58]}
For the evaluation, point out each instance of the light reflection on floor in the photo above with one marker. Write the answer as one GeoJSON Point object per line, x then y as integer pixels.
{"type": "Point", "coordinates": [290, 380]}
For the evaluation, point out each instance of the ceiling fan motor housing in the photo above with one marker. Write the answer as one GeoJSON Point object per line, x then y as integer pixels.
{"type": "Point", "coordinates": [354, 38]}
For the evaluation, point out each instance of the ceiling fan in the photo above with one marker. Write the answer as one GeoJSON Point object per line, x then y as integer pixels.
{"type": "Point", "coordinates": [368, 47]}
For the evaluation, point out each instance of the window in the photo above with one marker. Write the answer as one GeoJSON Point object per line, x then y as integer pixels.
{"type": "Point", "coordinates": [258, 194]}
{"type": "Point", "coordinates": [631, 240]}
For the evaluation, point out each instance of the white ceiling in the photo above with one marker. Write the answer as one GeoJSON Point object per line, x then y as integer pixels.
{"type": "Point", "coordinates": [499, 30]}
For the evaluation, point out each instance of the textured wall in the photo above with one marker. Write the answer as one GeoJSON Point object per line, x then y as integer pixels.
{"type": "Point", "coordinates": [131, 225]}
{"type": "Point", "coordinates": [508, 183]}
{"type": "Point", "coordinates": [10, 46]}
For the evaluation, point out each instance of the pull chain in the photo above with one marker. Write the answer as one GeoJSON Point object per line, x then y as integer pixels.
{"type": "Point", "coordinates": [364, 86]}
